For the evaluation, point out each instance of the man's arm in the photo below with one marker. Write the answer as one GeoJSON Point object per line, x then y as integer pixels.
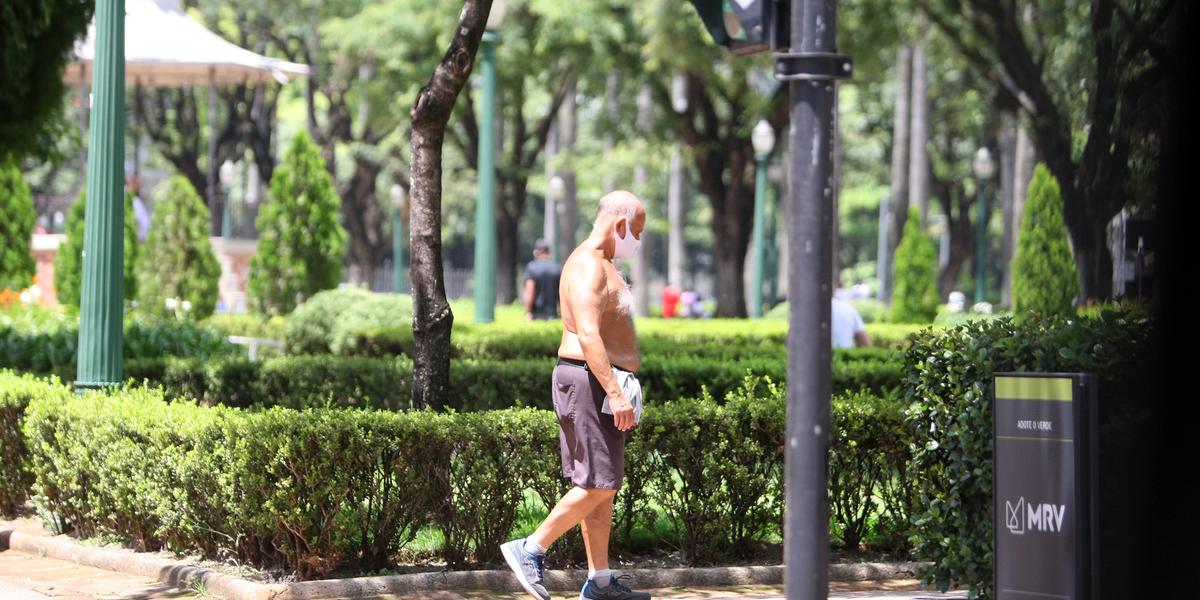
{"type": "Point", "coordinates": [528, 297]}
{"type": "Point", "coordinates": [588, 287]}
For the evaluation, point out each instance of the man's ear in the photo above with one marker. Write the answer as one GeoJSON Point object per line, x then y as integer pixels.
{"type": "Point", "coordinates": [622, 224]}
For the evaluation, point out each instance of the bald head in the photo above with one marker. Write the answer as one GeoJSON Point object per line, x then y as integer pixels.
{"type": "Point", "coordinates": [616, 205]}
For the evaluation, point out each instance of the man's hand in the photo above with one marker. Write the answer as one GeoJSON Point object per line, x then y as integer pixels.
{"type": "Point", "coordinates": [622, 412]}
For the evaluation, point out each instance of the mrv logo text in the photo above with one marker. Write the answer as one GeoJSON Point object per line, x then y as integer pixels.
{"type": "Point", "coordinates": [1022, 516]}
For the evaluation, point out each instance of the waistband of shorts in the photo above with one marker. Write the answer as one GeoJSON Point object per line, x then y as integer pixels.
{"type": "Point", "coordinates": [582, 364]}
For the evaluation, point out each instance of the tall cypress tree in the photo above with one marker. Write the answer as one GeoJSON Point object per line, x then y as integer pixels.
{"type": "Point", "coordinates": [300, 243]}
{"type": "Point", "coordinates": [1043, 272]}
{"type": "Point", "coordinates": [915, 297]}
{"type": "Point", "coordinates": [16, 227]}
{"type": "Point", "coordinates": [178, 261]}
{"type": "Point", "coordinates": [68, 264]}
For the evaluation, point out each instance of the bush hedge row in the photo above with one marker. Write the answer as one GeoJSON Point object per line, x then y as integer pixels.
{"type": "Point", "coordinates": [51, 350]}
{"type": "Point", "coordinates": [320, 490]}
{"type": "Point", "coordinates": [948, 379]}
{"type": "Point", "coordinates": [384, 383]}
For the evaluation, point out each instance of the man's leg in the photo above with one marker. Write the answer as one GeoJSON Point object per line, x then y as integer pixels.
{"type": "Point", "coordinates": [574, 506]}
{"type": "Point", "coordinates": [597, 527]}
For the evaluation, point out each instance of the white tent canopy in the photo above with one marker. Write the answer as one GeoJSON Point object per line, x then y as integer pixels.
{"type": "Point", "coordinates": [165, 47]}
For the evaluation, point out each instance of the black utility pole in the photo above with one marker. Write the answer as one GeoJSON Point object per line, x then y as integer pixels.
{"type": "Point", "coordinates": [810, 68]}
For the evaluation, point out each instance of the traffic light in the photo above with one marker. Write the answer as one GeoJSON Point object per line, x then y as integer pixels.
{"type": "Point", "coordinates": [746, 26]}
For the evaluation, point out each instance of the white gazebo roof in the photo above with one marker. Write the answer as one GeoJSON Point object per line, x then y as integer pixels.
{"type": "Point", "coordinates": [165, 47]}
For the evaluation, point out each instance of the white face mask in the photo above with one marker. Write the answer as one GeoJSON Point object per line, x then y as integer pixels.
{"type": "Point", "coordinates": [628, 245]}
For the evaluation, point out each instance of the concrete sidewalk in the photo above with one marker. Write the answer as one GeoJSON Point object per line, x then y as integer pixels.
{"type": "Point", "coordinates": [28, 577]}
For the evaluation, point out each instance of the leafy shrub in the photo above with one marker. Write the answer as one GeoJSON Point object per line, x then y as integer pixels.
{"type": "Point", "coordinates": [318, 490]}
{"type": "Point", "coordinates": [915, 297]}
{"type": "Point", "coordinates": [948, 385]}
{"type": "Point", "coordinates": [179, 263]}
{"type": "Point", "coordinates": [868, 463]}
{"type": "Point", "coordinates": [16, 226]}
{"type": "Point", "coordinates": [15, 476]}
{"type": "Point", "coordinates": [301, 243]}
{"type": "Point", "coordinates": [325, 322]}
{"type": "Point", "coordinates": [248, 325]}
{"type": "Point", "coordinates": [1043, 273]}
{"type": "Point", "coordinates": [476, 385]}
{"type": "Point", "coordinates": [51, 349]}
{"type": "Point", "coordinates": [68, 263]}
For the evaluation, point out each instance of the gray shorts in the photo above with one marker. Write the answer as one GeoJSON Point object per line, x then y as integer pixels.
{"type": "Point", "coordinates": [593, 449]}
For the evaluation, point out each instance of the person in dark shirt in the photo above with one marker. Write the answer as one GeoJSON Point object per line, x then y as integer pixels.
{"type": "Point", "coordinates": [541, 284]}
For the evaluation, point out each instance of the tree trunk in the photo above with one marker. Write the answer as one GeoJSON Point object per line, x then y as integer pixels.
{"type": "Point", "coordinates": [363, 217]}
{"type": "Point", "coordinates": [676, 219]}
{"type": "Point", "coordinates": [733, 216]}
{"type": "Point", "coordinates": [918, 158]}
{"type": "Point", "coordinates": [1007, 153]}
{"type": "Point", "coordinates": [508, 219]}
{"type": "Point", "coordinates": [432, 317]}
{"type": "Point", "coordinates": [898, 197]}
{"type": "Point", "coordinates": [641, 262]}
{"type": "Point", "coordinates": [569, 221]}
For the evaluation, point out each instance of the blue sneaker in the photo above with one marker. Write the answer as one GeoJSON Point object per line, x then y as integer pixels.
{"type": "Point", "coordinates": [615, 591]}
{"type": "Point", "coordinates": [527, 567]}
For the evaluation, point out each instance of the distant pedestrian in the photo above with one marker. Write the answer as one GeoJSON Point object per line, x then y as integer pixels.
{"type": "Point", "coordinates": [541, 284]}
{"type": "Point", "coordinates": [847, 328]}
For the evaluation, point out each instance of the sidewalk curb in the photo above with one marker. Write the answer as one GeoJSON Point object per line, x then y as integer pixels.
{"type": "Point", "coordinates": [233, 588]}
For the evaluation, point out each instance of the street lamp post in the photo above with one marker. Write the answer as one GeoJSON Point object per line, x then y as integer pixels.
{"type": "Point", "coordinates": [99, 363]}
{"type": "Point", "coordinates": [554, 192]}
{"type": "Point", "coordinates": [399, 209]}
{"type": "Point", "coordinates": [763, 140]}
{"type": "Point", "coordinates": [485, 212]}
{"type": "Point", "coordinates": [984, 169]}
{"type": "Point", "coordinates": [226, 174]}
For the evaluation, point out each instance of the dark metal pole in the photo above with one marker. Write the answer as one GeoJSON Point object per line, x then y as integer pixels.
{"type": "Point", "coordinates": [813, 112]}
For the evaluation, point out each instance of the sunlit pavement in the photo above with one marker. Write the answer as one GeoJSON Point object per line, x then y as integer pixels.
{"type": "Point", "coordinates": [27, 577]}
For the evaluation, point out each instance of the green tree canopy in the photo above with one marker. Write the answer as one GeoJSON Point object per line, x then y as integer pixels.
{"type": "Point", "coordinates": [68, 264]}
{"type": "Point", "coordinates": [1043, 273]}
{"type": "Point", "coordinates": [178, 262]}
{"type": "Point", "coordinates": [301, 244]}
{"type": "Point", "coordinates": [16, 225]}
{"type": "Point", "coordinates": [36, 37]}
{"type": "Point", "coordinates": [915, 299]}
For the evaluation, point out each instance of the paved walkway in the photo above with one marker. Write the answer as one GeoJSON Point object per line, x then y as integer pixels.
{"type": "Point", "coordinates": [27, 577]}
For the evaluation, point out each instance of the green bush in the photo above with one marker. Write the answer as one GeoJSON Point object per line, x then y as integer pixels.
{"type": "Point", "coordinates": [915, 297]}
{"type": "Point", "coordinates": [248, 325]}
{"type": "Point", "coordinates": [868, 467]}
{"type": "Point", "coordinates": [68, 263]}
{"type": "Point", "coordinates": [948, 385]}
{"type": "Point", "coordinates": [301, 243]}
{"type": "Point", "coordinates": [51, 349]}
{"type": "Point", "coordinates": [16, 226]}
{"type": "Point", "coordinates": [476, 385]}
{"type": "Point", "coordinates": [15, 477]}
{"type": "Point", "coordinates": [180, 266]}
{"type": "Point", "coordinates": [318, 490]}
{"type": "Point", "coordinates": [327, 321]}
{"type": "Point", "coordinates": [1043, 273]}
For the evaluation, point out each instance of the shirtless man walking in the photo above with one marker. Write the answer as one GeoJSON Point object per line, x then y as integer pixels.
{"type": "Point", "coordinates": [597, 358]}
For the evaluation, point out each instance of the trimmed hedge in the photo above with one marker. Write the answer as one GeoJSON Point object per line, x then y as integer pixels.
{"type": "Point", "coordinates": [323, 490]}
{"type": "Point", "coordinates": [948, 378]}
{"type": "Point", "coordinates": [51, 350]}
{"type": "Point", "coordinates": [385, 383]}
